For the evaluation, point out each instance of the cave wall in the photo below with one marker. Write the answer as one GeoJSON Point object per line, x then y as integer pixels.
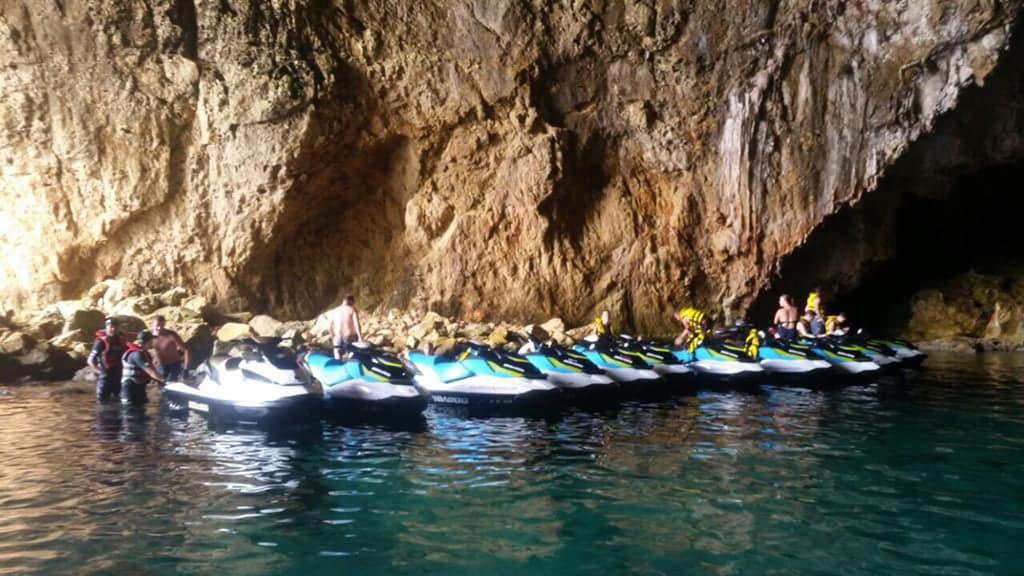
{"type": "Point", "coordinates": [947, 211]}
{"type": "Point", "coordinates": [520, 159]}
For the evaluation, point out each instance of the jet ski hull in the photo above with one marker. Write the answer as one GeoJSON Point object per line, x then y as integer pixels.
{"type": "Point", "coordinates": [374, 398]}
{"type": "Point", "coordinates": [295, 407]}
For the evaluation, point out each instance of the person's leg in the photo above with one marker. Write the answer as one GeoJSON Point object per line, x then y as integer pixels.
{"type": "Point", "coordinates": [339, 347]}
{"type": "Point", "coordinates": [171, 371]}
{"type": "Point", "coordinates": [133, 393]}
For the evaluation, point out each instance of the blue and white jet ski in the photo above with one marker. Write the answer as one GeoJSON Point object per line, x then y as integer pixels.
{"type": "Point", "coordinates": [250, 381]}
{"type": "Point", "coordinates": [475, 375]}
{"type": "Point", "coordinates": [776, 356]}
{"type": "Point", "coordinates": [659, 356]}
{"type": "Point", "coordinates": [573, 372]}
{"type": "Point", "coordinates": [366, 381]}
{"type": "Point", "coordinates": [631, 372]}
{"type": "Point", "coordinates": [845, 359]}
{"type": "Point", "coordinates": [713, 359]}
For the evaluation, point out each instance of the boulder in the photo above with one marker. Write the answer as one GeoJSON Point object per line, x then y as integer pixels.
{"type": "Point", "coordinates": [68, 339]}
{"type": "Point", "coordinates": [16, 343]}
{"type": "Point", "coordinates": [128, 325]}
{"type": "Point", "coordinates": [199, 340]}
{"type": "Point", "coordinates": [537, 332]}
{"type": "Point", "coordinates": [234, 331]}
{"type": "Point", "coordinates": [173, 297]}
{"type": "Point", "coordinates": [87, 320]}
{"type": "Point", "coordinates": [118, 290]}
{"type": "Point", "coordinates": [45, 324]}
{"type": "Point", "coordinates": [177, 316]}
{"type": "Point", "coordinates": [498, 336]}
{"type": "Point", "coordinates": [554, 326]}
{"type": "Point", "coordinates": [264, 325]}
{"type": "Point", "coordinates": [136, 306]}
{"type": "Point", "coordinates": [84, 374]}
{"type": "Point", "coordinates": [42, 362]}
{"type": "Point", "coordinates": [199, 305]}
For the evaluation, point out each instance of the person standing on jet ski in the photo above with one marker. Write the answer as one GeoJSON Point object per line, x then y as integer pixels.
{"type": "Point", "coordinates": [786, 318]}
{"type": "Point", "coordinates": [105, 360]}
{"type": "Point", "coordinates": [694, 325]}
{"type": "Point", "coordinates": [602, 325]}
{"type": "Point", "coordinates": [170, 349]}
{"type": "Point", "coordinates": [138, 369]}
{"type": "Point", "coordinates": [344, 326]}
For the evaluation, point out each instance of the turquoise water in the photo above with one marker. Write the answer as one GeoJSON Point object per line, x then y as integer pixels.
{"type": "Point", "coordinates": [913, 476]}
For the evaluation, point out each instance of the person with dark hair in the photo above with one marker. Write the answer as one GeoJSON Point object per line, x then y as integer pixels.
{"type": "Point", "coordinates": [105, 359]}
{"type": "Point", "coordinates": [172, 355]}
{"type": "Point", "coordinates": [786, 318]}
{"type": "Point", "coordinates": [138, 369]}
{"type": "Point", "coordinates": [344, 326]}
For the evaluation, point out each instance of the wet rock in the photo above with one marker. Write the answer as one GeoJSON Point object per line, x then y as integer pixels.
{"type": "Point", "coordinates": [84, 374]}
{"type": "Point", "coordinates": [41, 362]}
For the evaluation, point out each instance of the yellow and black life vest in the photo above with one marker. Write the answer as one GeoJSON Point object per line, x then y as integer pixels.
{"type": "Point", "coordinates": [752, 343]}
{"type": "Point", "coordinates": [600, 328]}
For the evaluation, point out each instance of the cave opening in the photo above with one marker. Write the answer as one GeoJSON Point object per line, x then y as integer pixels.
{"type": "Point", "coordinates": [872, 258]}
{"type": "Point", "coordinates": [949, 205]}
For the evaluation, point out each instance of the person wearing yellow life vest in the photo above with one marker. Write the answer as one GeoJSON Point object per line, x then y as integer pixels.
{"type": "Point", "coordinates": [836, 324]}
{"type": "Point", "coordinates": [814, 303]}
{"type": "Point", "coordinates": [694, 324]}
{"type": "Point", "coordinates": [602, 324]}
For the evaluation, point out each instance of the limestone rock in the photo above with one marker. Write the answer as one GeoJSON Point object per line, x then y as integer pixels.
{"type": "Point", "coordinates": [174, 297]}
{"type": "Point", "coordinates": [234, 331]}
{"type": "Point", "coordinates": [264, 325]}
{"type": "Point", "coordinates": [87, 320]}
{"type": "Point", "coordinates": [16, 344]}
{"type": "Point", "coordinates": [46, 324]}
{"type": "Point", "coordinates": [512, 160]}
{"type": "Point", "coordinates": [200, 341]}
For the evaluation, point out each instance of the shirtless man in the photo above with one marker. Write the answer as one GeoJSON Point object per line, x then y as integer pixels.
{"type": "Point", "coordinates": [344, 325]}
{"type": "Point", "coordinates": [170, 350]}
{"type": "Point", "coordinates": [786, 318]}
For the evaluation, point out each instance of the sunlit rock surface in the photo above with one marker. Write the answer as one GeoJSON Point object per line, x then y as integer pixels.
{"type": "Point", "coordinates": [510, 159]}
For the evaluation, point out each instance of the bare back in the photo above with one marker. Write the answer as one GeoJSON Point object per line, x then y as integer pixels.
{"type": "Point", "coordinates": [786, 317]}
{"type": "Point", "coordinates": [344, 322]}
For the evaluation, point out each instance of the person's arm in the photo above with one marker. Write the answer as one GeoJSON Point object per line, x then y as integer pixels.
{"type": "Point", "coordinates": [97, 349]}
{"type": "Point", "coordinates": [154, 374]}
{"type": "Point", "coordinates": [359, 329]}
{"type": "Point", "coordinates": [185, 352]}
{"type": "Point", "coordinates": [778, 317]}
{"type": "Point", "coordinates": [139, 360]}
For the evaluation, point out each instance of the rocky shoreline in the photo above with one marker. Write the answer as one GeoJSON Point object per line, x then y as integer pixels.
{"type": "Point", "coordinates": [52, 343]}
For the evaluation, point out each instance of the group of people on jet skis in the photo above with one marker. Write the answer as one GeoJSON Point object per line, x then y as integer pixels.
{"type": "Point", "coordinates": [255, 378]}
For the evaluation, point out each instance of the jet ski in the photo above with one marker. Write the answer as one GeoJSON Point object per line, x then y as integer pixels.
{"type": "Point", "coordinates": [904, 351]}
{"type": "Point", "coordinates": [250, 381]}
{"type": "Point", "coordinates": [658, 355]}
{"type": "Point", "coordinates": [367, 381]}
{"type": "Point", "coordinates": [573, 372]}
{"type": "Point", "coordinates": [631, 372]}
{"type": "Point", "coordinates": [878, 352]}
{"type": "Point", "coordinates": [777, 357]}
{"type": "Point", "coordinates": [845, 359]}
{"type": "Point", "coordinates": [474, 375]}
{"type": "Point", "coordinates": [714, 359]}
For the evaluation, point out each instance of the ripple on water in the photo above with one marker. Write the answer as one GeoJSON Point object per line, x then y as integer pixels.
{"type": "Point", "coordinates": [894, 477]}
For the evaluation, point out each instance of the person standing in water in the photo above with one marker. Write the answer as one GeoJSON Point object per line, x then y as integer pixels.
{"type": "Point", "coordinates": [105, 360]}
{"type": "Point", "coordinates": [344, 326]}
{"type": "Point", "coordinates": [786, 318]}
{"type": "Point", "coordinates": [172, 354]}
{"type": "Point", "coordinates": [138, 369]}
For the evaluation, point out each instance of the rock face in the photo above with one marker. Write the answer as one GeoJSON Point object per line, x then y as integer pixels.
{"type": "Point", "coordinates": [520, 160]}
